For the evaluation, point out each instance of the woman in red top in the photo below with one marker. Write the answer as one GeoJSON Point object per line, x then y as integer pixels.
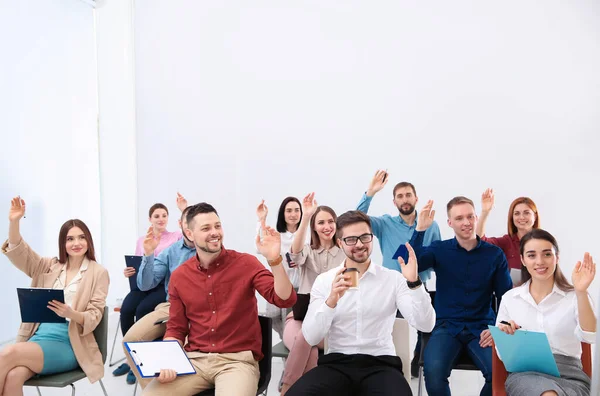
{"type": "Point", "coordinates": [522, 217]}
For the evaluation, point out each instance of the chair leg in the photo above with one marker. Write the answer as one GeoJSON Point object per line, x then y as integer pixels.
{"type": "Point", "coordinates": [420, 391]}
{"type": "Point", "coordinates": [103, 388]}
{"type": "Point", "coordinates": [135, 388]}
{"type": "Point", "coordinates": [38, 390]}
{"type": "Point", "coordinates": [110, 361]}
{"type": "Point", "coordinates": [72, 389]}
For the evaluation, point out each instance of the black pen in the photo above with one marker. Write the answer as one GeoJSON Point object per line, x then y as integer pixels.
{"type": "Point", "coordinates": [504, 322]}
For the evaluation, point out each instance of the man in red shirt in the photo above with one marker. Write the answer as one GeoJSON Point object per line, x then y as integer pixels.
{"type": "Point", "coordinates": [213, 304]}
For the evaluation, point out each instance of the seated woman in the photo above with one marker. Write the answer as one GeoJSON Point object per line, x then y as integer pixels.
{"type": "Point", "coordinates": [50, 348]}
{"type": "Point", "coordinates": [548, 303]}
{"type": "Point", "coordinates": [321, 255]}
{"type": "Point", "coordinates": [139, 303]}
{"type": "Point", "coordinates": [523, 217]}
{"type": "Point", "coordinates": [288, 219]}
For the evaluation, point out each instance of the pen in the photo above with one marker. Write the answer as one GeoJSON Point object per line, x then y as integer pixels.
{"type": "Point", "coordinates": [504, 322]}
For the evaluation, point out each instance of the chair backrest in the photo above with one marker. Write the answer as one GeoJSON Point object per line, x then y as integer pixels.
{"type": "Point", "coordinates": [101, 334]}
{"type": "Point", "coordinates": [266, 329]}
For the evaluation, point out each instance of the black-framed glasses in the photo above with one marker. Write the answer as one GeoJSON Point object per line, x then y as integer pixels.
{"type": "Point", "coordinates": [364, 238]}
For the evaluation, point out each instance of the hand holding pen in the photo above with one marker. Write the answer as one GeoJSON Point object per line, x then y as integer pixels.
{"type": "Point", "coordinates": [509, 327]}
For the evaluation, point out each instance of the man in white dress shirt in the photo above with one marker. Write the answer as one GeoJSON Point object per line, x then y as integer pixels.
{"type": "Point", "coordinates": [361, 358]}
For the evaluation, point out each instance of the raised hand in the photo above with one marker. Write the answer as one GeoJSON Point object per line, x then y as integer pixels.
{"type": "Point", "coordinates": [377, 182]}
{"type": "Point", "coordinates": [150, 242]}
{"type": "Point", "coordinates": [341, 283]}
{"type": "Point", "coordinates": [182, 203]}
{"type": "Point", "coordinates": [262, 211]}
{"type": "Point", "coordinates": [487, 200]}
{"type": "Point", "coordinates": [270, 243]}
{"type": "Point", "coordinates": [17, 209]}
{"type": "Point", "coordinates": [410, 270]}
{"type": "Point", "coordinates": [309, 205]}
{"type": "Point", "coordinates": [426, 216]}
{"type": "Point", "coordinates": [584, 273]}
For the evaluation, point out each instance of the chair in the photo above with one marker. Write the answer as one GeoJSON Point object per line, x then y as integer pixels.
{"type": "Point", "coordinates": [499, 373]}
{"type": "Point", "coordinates": [112, 350]}
{"type": "Point", "coordinates": [61, 380]}
{"type": "Point", "coordinates": [464, 361]}
{"type": "Point", "coordinates": [264, 366]}
{"type": "Point", "coordinates": [401, 338]}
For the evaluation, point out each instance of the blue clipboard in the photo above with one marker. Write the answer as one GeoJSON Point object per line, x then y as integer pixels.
{"type": "Point", "coordinates": [34, 301]}
{"type": "Point", "coordinates": [135, 262]}
{"type": "Point", "coordinates": [153, 356]}
{"type": "Point", "coordinates": [525, 351]}
{"type": "Point", "coordinates": [402, 251]}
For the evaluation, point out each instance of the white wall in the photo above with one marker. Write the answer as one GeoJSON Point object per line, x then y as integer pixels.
{"type": "Point", "coordinates": [238, 102]}
{"type": "Point", "coordinates": [48, 113]}
{"type": "Point", "coordinates": [118, 167]}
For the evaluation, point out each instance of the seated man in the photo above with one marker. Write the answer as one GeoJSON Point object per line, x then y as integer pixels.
{"type": "Point", "coordinates": [213, 305]}
{"type": "Point", "coordinates": [468, 271]}
{"type": "Point", "coordinates": [361, 357]}
{"type": "Point", "coordinates": [153, 271]}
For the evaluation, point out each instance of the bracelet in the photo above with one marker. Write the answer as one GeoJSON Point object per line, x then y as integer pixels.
{"type": "Point", "coordinates": [275, 262]}
{"type": "Point", "coordinates": [415, 284]}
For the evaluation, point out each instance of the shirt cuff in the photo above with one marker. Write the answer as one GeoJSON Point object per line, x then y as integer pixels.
{"type": "Point", "coordinates": [586, 336]}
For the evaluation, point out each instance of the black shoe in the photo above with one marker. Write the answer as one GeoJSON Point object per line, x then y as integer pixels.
{"type": "Point", "coordinates": [414, 367]}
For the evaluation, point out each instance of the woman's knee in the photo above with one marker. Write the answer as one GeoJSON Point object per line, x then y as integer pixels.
{"type": "Point", "coordinates": [17, 377]}
{"type": "Point", "coordinates": [9, 353]}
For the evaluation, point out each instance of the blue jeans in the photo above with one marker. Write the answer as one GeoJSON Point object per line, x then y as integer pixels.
{"type": "Point", "coordinates": [441, 353]}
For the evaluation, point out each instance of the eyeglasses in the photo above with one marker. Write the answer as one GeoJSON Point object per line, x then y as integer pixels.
{"type": "Point", "coordinates": [364, 238]}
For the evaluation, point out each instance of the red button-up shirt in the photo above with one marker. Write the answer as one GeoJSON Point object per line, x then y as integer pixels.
{"type": "Point", "coordinates": [510, 245]}
{"type": "Point", "coordinates": [217, 308]}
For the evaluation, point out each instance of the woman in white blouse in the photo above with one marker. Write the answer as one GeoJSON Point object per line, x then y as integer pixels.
{"type": "Point", "coordinates": [288, 219]}
{"type": "Point", "coordinates": [49, 348]}
{"type": "Point", "coordinates": [321, 255]}
{"type": "Point", "coordinates": [548, 303]}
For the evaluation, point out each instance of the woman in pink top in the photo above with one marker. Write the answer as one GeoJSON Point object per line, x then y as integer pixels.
{"type": "Point", "coordinates": [522, 218]}
{"type": "Point", "coordinates": [138, 303]}
{"type": "Point", "coordinates": [321, 255]}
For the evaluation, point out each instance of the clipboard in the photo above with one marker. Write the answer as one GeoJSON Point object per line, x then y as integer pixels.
{"type": "Point", "coordinates": [33, 302]}
{"type": "Point", "coordinates": [153, 356]}
{"type": "Point", "coordinates": [135, 262]}
{"type": "Point", "coordinates": [525, 351]}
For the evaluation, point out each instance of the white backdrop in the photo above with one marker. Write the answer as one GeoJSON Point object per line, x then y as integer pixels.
{"type": "Point", "coordinates": [238, 102]}
{"type": "Point", "coordinates": [48, 126]}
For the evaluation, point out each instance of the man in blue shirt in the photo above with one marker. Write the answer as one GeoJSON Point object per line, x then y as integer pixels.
{"type": "Point", "coordinates": [468, 272]}
{"type": "Point", "coordinates": [395, 231]}
{"type": "Point", "coordinates": [152, 272]}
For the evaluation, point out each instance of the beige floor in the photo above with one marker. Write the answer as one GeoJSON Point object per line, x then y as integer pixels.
{"type": "Point", "coordinates": [462, 383]}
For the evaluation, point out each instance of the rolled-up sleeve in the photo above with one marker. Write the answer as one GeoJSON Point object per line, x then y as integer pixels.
{"type": "Point", "coordinates": [584, 336]}
{"type": "Point", "coordinates": [264, 283]}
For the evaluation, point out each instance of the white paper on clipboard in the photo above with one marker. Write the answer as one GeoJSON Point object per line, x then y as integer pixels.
{"type": "Point", "coordinates": [151, 357]}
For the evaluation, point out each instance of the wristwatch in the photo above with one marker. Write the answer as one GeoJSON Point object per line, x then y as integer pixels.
{"type": "Point", "coordinates": [415, 284]}
{"type": "Point", "coordinates": [275, 262]}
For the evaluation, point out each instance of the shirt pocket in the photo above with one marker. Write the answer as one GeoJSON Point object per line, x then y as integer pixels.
{"type": "Point", "coordinates": [225, 294]}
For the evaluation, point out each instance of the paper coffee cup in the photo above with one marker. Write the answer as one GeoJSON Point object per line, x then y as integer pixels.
{"type": "Point", "coordinates": [354, 277]}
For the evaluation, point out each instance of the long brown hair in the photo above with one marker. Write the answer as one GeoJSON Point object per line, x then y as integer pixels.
{"type": "Point", "coordinates": [559, 278]}
{"type": "Point", "coordinates": [512, 229]}
{"type": "Point", "coordinates": [315, 242]}
{"type": "Point", "coordinates": [62, 240]}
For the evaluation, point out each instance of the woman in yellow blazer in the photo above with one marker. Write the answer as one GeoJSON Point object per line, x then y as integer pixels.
{"type": "Point", "coordinates": [50, 348]}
